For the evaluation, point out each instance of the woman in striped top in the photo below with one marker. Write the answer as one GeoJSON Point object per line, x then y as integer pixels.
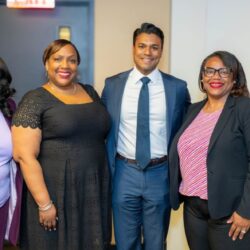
{"type": "Point", "coordinates": [210, 159]}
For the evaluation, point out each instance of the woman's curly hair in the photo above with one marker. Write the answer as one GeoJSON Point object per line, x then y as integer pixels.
{"type": "Point", "coordinates": [5, 90]}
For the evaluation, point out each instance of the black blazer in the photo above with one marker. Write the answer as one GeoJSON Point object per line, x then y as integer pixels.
{"type": "Point", "coordinates": [228, 160]}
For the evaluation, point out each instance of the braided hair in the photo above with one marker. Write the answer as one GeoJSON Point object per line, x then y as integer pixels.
{"type": "Point", "coordinates": [5, 90]}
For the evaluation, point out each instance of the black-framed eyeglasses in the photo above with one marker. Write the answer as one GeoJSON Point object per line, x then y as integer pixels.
{"type": "Point", "coordinates": [223, 72]}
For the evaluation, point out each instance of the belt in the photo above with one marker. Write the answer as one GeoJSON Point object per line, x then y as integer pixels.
{"type": "Point", "coordinates": [152, 162]}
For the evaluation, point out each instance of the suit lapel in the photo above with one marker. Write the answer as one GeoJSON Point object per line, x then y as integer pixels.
{"type": "Point", "coordinates": [119, 85]}
{"type": "Point", "coordinates": [223, 119]}
{"type": "Point", "coordinates": [170, 93]}
{"type": "Point", "coordinates": [191, 116]}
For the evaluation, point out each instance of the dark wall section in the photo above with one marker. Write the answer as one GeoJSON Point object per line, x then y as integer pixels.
{"type": "Point", "coordinates": [25, 33]}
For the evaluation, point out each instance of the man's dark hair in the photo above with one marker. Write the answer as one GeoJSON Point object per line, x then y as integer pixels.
{"type": "Point", "coordinates": [149, 28]}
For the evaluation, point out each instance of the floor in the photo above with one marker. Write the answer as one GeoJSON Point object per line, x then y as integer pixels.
{"type": "Point", "coordinates": [10, 248]}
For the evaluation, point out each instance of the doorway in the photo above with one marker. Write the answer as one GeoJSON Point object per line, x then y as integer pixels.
{"type": "Point", "coordinates": [25, 33]}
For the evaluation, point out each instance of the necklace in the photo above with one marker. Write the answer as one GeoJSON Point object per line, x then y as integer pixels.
{"type": "Point", "coordinates": [61, 92]}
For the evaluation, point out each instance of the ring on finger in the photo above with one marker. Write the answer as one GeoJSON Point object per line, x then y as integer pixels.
{"type": "Point", "coordinates": [243, 231]}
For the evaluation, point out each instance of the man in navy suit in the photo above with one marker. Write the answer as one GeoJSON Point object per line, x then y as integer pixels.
{"type": "Point", "coordinates": [140, 192]}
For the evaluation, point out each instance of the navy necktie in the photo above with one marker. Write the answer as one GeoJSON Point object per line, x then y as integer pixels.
{"type": "Point", "coordinates": [142, 132]}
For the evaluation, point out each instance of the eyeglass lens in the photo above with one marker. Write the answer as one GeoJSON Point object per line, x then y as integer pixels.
{"type": "Point", "coordinates": [223, 72]}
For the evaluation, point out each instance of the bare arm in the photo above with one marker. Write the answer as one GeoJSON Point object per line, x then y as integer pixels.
{"type": "Point", "coordinates": [26, 146]}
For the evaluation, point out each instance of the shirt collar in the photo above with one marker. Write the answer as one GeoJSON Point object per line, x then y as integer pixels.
{"type": "Point", "coordinates": [136, 75]}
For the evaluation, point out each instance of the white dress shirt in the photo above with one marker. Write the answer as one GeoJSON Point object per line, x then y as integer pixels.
{"type": "Point", "coordinates": [157, 115]}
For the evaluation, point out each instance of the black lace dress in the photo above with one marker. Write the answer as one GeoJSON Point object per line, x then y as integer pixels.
{"type": "Point", "coordinates": [73, 160]}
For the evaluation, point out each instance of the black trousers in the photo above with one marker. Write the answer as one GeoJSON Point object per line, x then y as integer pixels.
{"type": "Point", "coordinates": [204, 233]}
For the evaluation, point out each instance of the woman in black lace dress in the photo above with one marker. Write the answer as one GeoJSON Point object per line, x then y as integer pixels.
{"type": "Point", "coordinates": [59, 135]}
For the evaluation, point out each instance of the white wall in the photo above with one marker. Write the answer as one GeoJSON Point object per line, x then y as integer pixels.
{"type": "Point", "coordinates": [199, 27]}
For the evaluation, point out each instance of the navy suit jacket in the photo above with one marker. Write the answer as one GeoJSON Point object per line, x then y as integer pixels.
{"type": "Point", "coordinates": [228, 160]}
{"type": "Point", "coordinates": [177, 100]}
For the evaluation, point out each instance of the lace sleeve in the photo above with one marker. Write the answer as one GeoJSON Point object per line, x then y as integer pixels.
{"type": "Point", "coordinates": [28, 113]}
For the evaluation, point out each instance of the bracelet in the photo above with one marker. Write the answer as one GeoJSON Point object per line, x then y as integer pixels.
{"type": "Point", "coordinates": [46, 206]}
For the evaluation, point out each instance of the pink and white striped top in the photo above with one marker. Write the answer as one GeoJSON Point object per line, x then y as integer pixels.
{"type": "Point", "coordinates": [192, 148]}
